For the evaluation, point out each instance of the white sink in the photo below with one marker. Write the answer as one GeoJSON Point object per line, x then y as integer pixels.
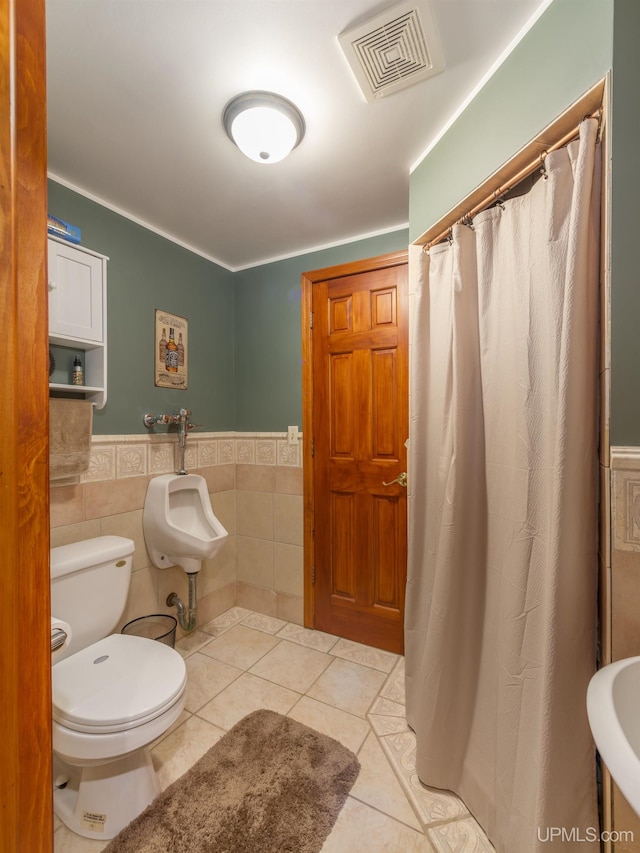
{"type": "Point", "coordinates": [613, 707]}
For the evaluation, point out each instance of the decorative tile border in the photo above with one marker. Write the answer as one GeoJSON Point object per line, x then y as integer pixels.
{"type": "Point", "coordinates": [457, 835]}
{"type": "Point", "coordinates": [265, 451]}
{"type": "Point", "coordinates": [131, 461]}
{"type": "Point", "coordinates": [366, 655]}
{"type": "Point", "coordinates": [226, 620]}
{"type": "Point", "coordinates": [288, 454]}
{"type": "Point", "coordinates": [267, 624]}
{"type": "Point", "coordinates": [226, 451]}
{"type": "Point", "coordinates": [431, 804]}
{"type": "Point", "coordinates": [444, 817]}
{"type": "Point", "coordinates": [245, 451]}
{"type": "Point", "coordinates": [625, 497]}
{"type": "Point", "coordinates": [102, 464]}
{"type": "Point", "coordinates": [160, 458]}
{"type": "Point", "coordinates": [116, 457]}
{"type": "Point", "coordinates": [207, 453]}
{"type": "Point", "coordinates": [387, 717]}
{"type": "Point", "coordinates": [308, 637]}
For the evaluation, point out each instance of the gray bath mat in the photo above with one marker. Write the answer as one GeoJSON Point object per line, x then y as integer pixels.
{"type": "Point", "coordinates": [270, 785]}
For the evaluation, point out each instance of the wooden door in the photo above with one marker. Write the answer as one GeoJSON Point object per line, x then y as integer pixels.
{"type": "Point", "coordinates": [25, 649]}
{"type": "Point", "coordinates": [359, 425]}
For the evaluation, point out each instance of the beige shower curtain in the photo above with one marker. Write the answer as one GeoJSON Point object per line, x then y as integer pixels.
{"type": "Point", "coordinates": [501, 592]}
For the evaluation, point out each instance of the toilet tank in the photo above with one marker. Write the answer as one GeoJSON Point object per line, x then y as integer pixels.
{"type": "Point", "coordinates": [89, 587]}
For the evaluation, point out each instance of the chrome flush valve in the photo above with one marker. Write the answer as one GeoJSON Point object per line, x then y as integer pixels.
{"type": "Point", "coordinates": [181, 418]}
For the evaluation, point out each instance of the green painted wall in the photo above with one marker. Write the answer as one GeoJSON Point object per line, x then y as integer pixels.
{"type": "Point", "coordinates": [572, 46]}
{"type": "Point", "coordinates": [244, 327]}
{"type": "Point", "coordinates": [625, 279]}
{"type": "Point", "coordinates": [145, 272]}
{"type": "Point", "coordinates": [268, 331]}
{"type": "Point", "coordinates": [245, 353]}
{"type": "Point", "coordinates": [566, 52]}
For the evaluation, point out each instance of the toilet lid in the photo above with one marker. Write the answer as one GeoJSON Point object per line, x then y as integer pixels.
{"type": "Point", "coordinates": [117, 683]}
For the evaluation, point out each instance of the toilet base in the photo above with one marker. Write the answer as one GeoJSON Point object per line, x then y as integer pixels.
{"type": "Point", "coordinates": [100, 800]}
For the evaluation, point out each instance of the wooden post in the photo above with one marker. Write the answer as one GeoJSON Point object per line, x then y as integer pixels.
{"type": "Point", "coordinates": [25, 657]}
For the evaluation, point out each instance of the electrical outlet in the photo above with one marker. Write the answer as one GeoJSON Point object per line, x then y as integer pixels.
{"type": "Point", "coordinates": [292, 435]}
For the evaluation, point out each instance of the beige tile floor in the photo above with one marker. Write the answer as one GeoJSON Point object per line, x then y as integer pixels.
{"type": "Point", "coordinates": [242, 661]}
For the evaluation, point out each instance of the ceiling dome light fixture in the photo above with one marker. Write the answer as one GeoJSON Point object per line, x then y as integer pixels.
{"type": "Point", "coordinates": [265, 126]}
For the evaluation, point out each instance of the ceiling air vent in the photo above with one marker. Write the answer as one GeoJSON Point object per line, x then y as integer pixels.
{"type": "Point", "coordinates": [393, 50]}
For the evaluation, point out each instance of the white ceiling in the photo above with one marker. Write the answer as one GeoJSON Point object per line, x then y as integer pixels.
{"type": "Point", "coordinates": [136, 90]}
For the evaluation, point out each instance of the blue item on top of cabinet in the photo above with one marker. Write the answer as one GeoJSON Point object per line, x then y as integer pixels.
{"type": "Point", "coordinates": [60, 228]}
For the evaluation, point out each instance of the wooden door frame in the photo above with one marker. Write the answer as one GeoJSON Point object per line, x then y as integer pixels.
{"type": "Point", "coordinates": [308, 280]}
{"type": "Point", "coordinates": [26, 807]}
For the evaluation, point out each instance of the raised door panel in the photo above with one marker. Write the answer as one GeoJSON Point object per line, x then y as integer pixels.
{"type": "Point", "coordinates": [387, 551]}
{"type": "Point", "coordinates": [385, 440]}
{"type": "Point", "coordinates": [343, 545]}
{"type": "Point", "coordinates": [360, 425]}
{"type": "Point", "coordinates": [341, 405]}
{"type": "Point", "coordinates": [384, 306]}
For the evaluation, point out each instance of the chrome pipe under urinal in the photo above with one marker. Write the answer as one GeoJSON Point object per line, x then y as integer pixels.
{"type": "Point", "coordinates": [186, 615]}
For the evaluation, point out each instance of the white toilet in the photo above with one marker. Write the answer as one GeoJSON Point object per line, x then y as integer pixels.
{"type": "Point", "coordinates": [179, 525]}
{"type": "Point", "coordinates": [112, 695]}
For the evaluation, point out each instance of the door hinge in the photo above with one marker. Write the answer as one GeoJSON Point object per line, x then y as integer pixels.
{"type": "Point", "coordinates": [313, 447]}
{"type": "Point", "coordinates": [311, 319]}
{"type": "Point", "coordinates": [313, 575]}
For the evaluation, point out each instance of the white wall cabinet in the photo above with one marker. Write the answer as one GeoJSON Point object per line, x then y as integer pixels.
{"type": "Point", "coordinates": [78, 314]}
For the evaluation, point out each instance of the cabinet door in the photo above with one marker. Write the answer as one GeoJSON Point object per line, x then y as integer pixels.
{"type": "Point", "coordinates": [75, 293]}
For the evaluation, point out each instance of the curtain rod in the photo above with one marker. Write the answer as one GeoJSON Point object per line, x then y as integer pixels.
{"type": "Point", "coordinates": [513, 182]}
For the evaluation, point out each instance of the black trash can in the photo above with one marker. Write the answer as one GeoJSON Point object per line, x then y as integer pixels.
{"type": "Point", "coordinates": [158, 626]}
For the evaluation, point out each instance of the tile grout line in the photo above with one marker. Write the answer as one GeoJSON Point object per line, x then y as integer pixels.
{"type": "Point", "coordinates": [381, 739]}
{"type": "Point", "coordinates": [389, 675]}
{"type": "Point", "coordinates": [411, 795]}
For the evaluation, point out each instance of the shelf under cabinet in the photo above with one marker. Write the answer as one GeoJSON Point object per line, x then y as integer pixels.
{"type": "Point", "coordinates": [78, 320]}
{"type": "Point", "coordinates": [80, 389]}
{"type": "Point", "coordinates": [95, 395]}
{"type": "Point", "coordinates": [94, 365]}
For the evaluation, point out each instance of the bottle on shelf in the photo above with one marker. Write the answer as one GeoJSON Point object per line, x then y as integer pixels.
{"type": "Point", "coordinates": [162, 354]}
{"type": "Point", "coordinates": [77, 375]}
{"type": "Point", "coordinates": [171, 360]}
{"type": "Point", "coordinates": [180, 351]}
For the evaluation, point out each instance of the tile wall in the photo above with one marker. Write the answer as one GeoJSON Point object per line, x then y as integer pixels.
{"type": "Point", "coordinates": [255, 485]}
{"type": "Point", "coordinates": [625, 596]}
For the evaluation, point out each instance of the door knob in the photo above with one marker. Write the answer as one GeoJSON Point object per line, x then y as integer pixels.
{"type": "Point", "coordinates": [401, 480]}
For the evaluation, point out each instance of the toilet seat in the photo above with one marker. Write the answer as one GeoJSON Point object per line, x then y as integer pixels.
{"type": "Point", "coordinates": [116, 684]}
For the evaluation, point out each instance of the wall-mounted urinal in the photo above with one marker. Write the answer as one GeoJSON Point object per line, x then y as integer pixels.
{"type": "Point", "coordinates": [179, 525]}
